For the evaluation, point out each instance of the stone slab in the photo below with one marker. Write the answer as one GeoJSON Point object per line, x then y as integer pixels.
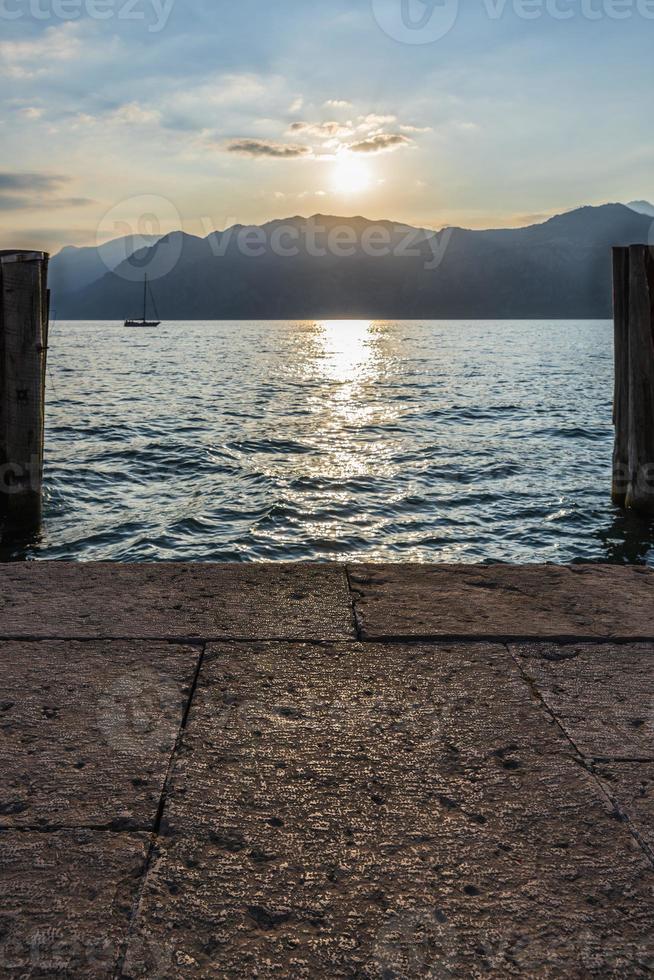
{"type": "Point", "coordinates": [631, 784]}
{"type": "Point", "coordinates": [386, 811]}
{"type": "Point", "coordinates": [603, 696]}
{"type": "Point", "coordinates": [66, 901]}
{"type": "Point", "coordinates": [176, 601]}
{"type": "Point", "coordinates": [87, 730]}
{"type": "Point", "coordinates": [503, 602]}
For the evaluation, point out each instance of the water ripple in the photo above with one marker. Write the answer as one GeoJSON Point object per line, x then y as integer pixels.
{"type": "Point", "coordinates": [435, 441]}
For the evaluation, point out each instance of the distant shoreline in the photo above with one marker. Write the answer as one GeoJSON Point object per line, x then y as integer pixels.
{"type": "Point", "coordinates": [298, 268]}
{"type": "Point", "coordinates": [354, 318]}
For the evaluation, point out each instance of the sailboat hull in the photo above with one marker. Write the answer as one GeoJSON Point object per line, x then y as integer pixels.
{"type": "Point", "coordinates": [144, 322]}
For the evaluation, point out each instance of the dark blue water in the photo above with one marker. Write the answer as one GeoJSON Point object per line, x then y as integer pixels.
{"type": "Point", "coordinates": [438, 441]}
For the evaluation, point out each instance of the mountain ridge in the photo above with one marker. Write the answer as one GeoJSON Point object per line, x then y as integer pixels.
{"type": "Point", "coordinates": [560, 267]}
{"type": "Point", "coordinates": [642, 207]}
{"type": "Point", "coordinates": [74, 267]}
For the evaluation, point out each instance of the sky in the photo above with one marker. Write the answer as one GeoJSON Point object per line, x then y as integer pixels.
{"type": "Point", "coordinates": [123, 116]}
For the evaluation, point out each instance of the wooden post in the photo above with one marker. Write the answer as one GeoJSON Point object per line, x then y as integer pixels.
{"type": "Point", "coordinates": [24, 318]}
{"type": "Point", "coordinates": [633, 459]}
{"type": "Point", "coordinates": [621, 396]}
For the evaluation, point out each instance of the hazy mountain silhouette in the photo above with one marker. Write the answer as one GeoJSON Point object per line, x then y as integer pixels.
{"type": "Point", "coordinates": [75, 268]}
{"type": "Point", "coordinates": [642, 207]}
{"type": "Point", "coordinates": [561, 268]}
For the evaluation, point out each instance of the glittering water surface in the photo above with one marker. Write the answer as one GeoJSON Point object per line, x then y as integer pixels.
{"type": "Point", "coordinates": [438, 441]}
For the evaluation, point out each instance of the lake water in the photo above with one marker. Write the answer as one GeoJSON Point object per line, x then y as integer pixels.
{"type": "Point", "coordinates": [444, 441]}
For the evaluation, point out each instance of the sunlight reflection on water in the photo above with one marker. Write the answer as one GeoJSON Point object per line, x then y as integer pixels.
{"type": "Point", "coordinates": [359, 439]}
{"type": "Point", "coordinates": [348, 349]}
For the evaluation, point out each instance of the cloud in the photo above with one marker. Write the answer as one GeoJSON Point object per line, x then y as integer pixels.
{"type": "Point", "coordinates": [256, 106]}
{"type": "Point", "coordinates": [9, 202]}
{"type": "Point", "coordinates": [267, 148]}
{"type": "Point", "coordinates": [29, 183]}
{"type": "Point", "coordinates": [373, 121]}
{"type": "Point", "coordinates": [364, 135]}
{"type": "Point", "coordinates": [296, 105]}
{"type": "Point", "coordinates": [338, 104]}
{"type": "Point", "coordinates": [71, 202]}
{"type": "Point", "coordinates": [134, 114]}
{"type": "Point", "coordinates": [326, 139]}
{"type": "Point", "coordinates": [326, 130]}
{"type": "Point", "coordinates": [83, 119]}
{"type": "Point", "coordinates": [299, 196]}
{"type": "Point", "coordinates": [465, 127]}
{"type": "Point", "coordinates": [109, 125]}
{"type": "Point", "coordinates": [27, 59]}
{"type": "Point", "coordinates": [381, 143]}
{"type": "Point", "coordinates": [46, 239]}
{"type": "Point", "coordinates": [34, 191]}
{"type": "Point", "coordinates": [239, 91]}
{"type": "Point", "coordinates": [129, 114]}
{"type": "Point", "coordinates": [30, 112]}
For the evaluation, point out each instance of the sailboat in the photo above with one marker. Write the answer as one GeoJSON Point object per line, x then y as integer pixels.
{"type": "Point", "coordinates": [145, 322]}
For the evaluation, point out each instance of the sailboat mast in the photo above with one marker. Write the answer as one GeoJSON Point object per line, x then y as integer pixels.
{"type": "Point", "coordinates": [145, 297]}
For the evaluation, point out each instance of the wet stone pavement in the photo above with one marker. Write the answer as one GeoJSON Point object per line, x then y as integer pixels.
{"type": "Point", "coordinates": [305, 771]}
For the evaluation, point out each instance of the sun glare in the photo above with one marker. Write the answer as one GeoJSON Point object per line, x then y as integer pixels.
{"type": "Point", "coordinates": [347, 348]}
{"type": "Point", "coordinates": [350, 175]}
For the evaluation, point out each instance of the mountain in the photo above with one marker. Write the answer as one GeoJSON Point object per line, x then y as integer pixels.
{"type": "Point", "coordinates": [74, 268]}
{"type": "Point", "coordinates": [329, 266]}
{"type": "Point", "coordinates": [642, 207]}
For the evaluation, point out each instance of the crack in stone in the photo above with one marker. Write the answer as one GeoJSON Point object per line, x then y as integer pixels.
{"type": "Point", "coordinates": [586, 763]}
{"type": "Point", "coordinates": [159, 817]}
{"type": "Point", "coordinates": [353, 593]}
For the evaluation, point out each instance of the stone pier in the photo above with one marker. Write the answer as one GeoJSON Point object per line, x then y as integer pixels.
{"type": "Point", "coordinates": [308, 771]}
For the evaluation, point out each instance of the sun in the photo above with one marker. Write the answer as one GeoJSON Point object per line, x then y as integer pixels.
{"type": "Point", "coordinates": [350, 175]}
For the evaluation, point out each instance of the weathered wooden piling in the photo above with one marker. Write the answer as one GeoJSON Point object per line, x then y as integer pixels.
{"type": "Point", "coordinates": [633, 459]}
{"type": "Point", "coordinates": [24, 317]}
